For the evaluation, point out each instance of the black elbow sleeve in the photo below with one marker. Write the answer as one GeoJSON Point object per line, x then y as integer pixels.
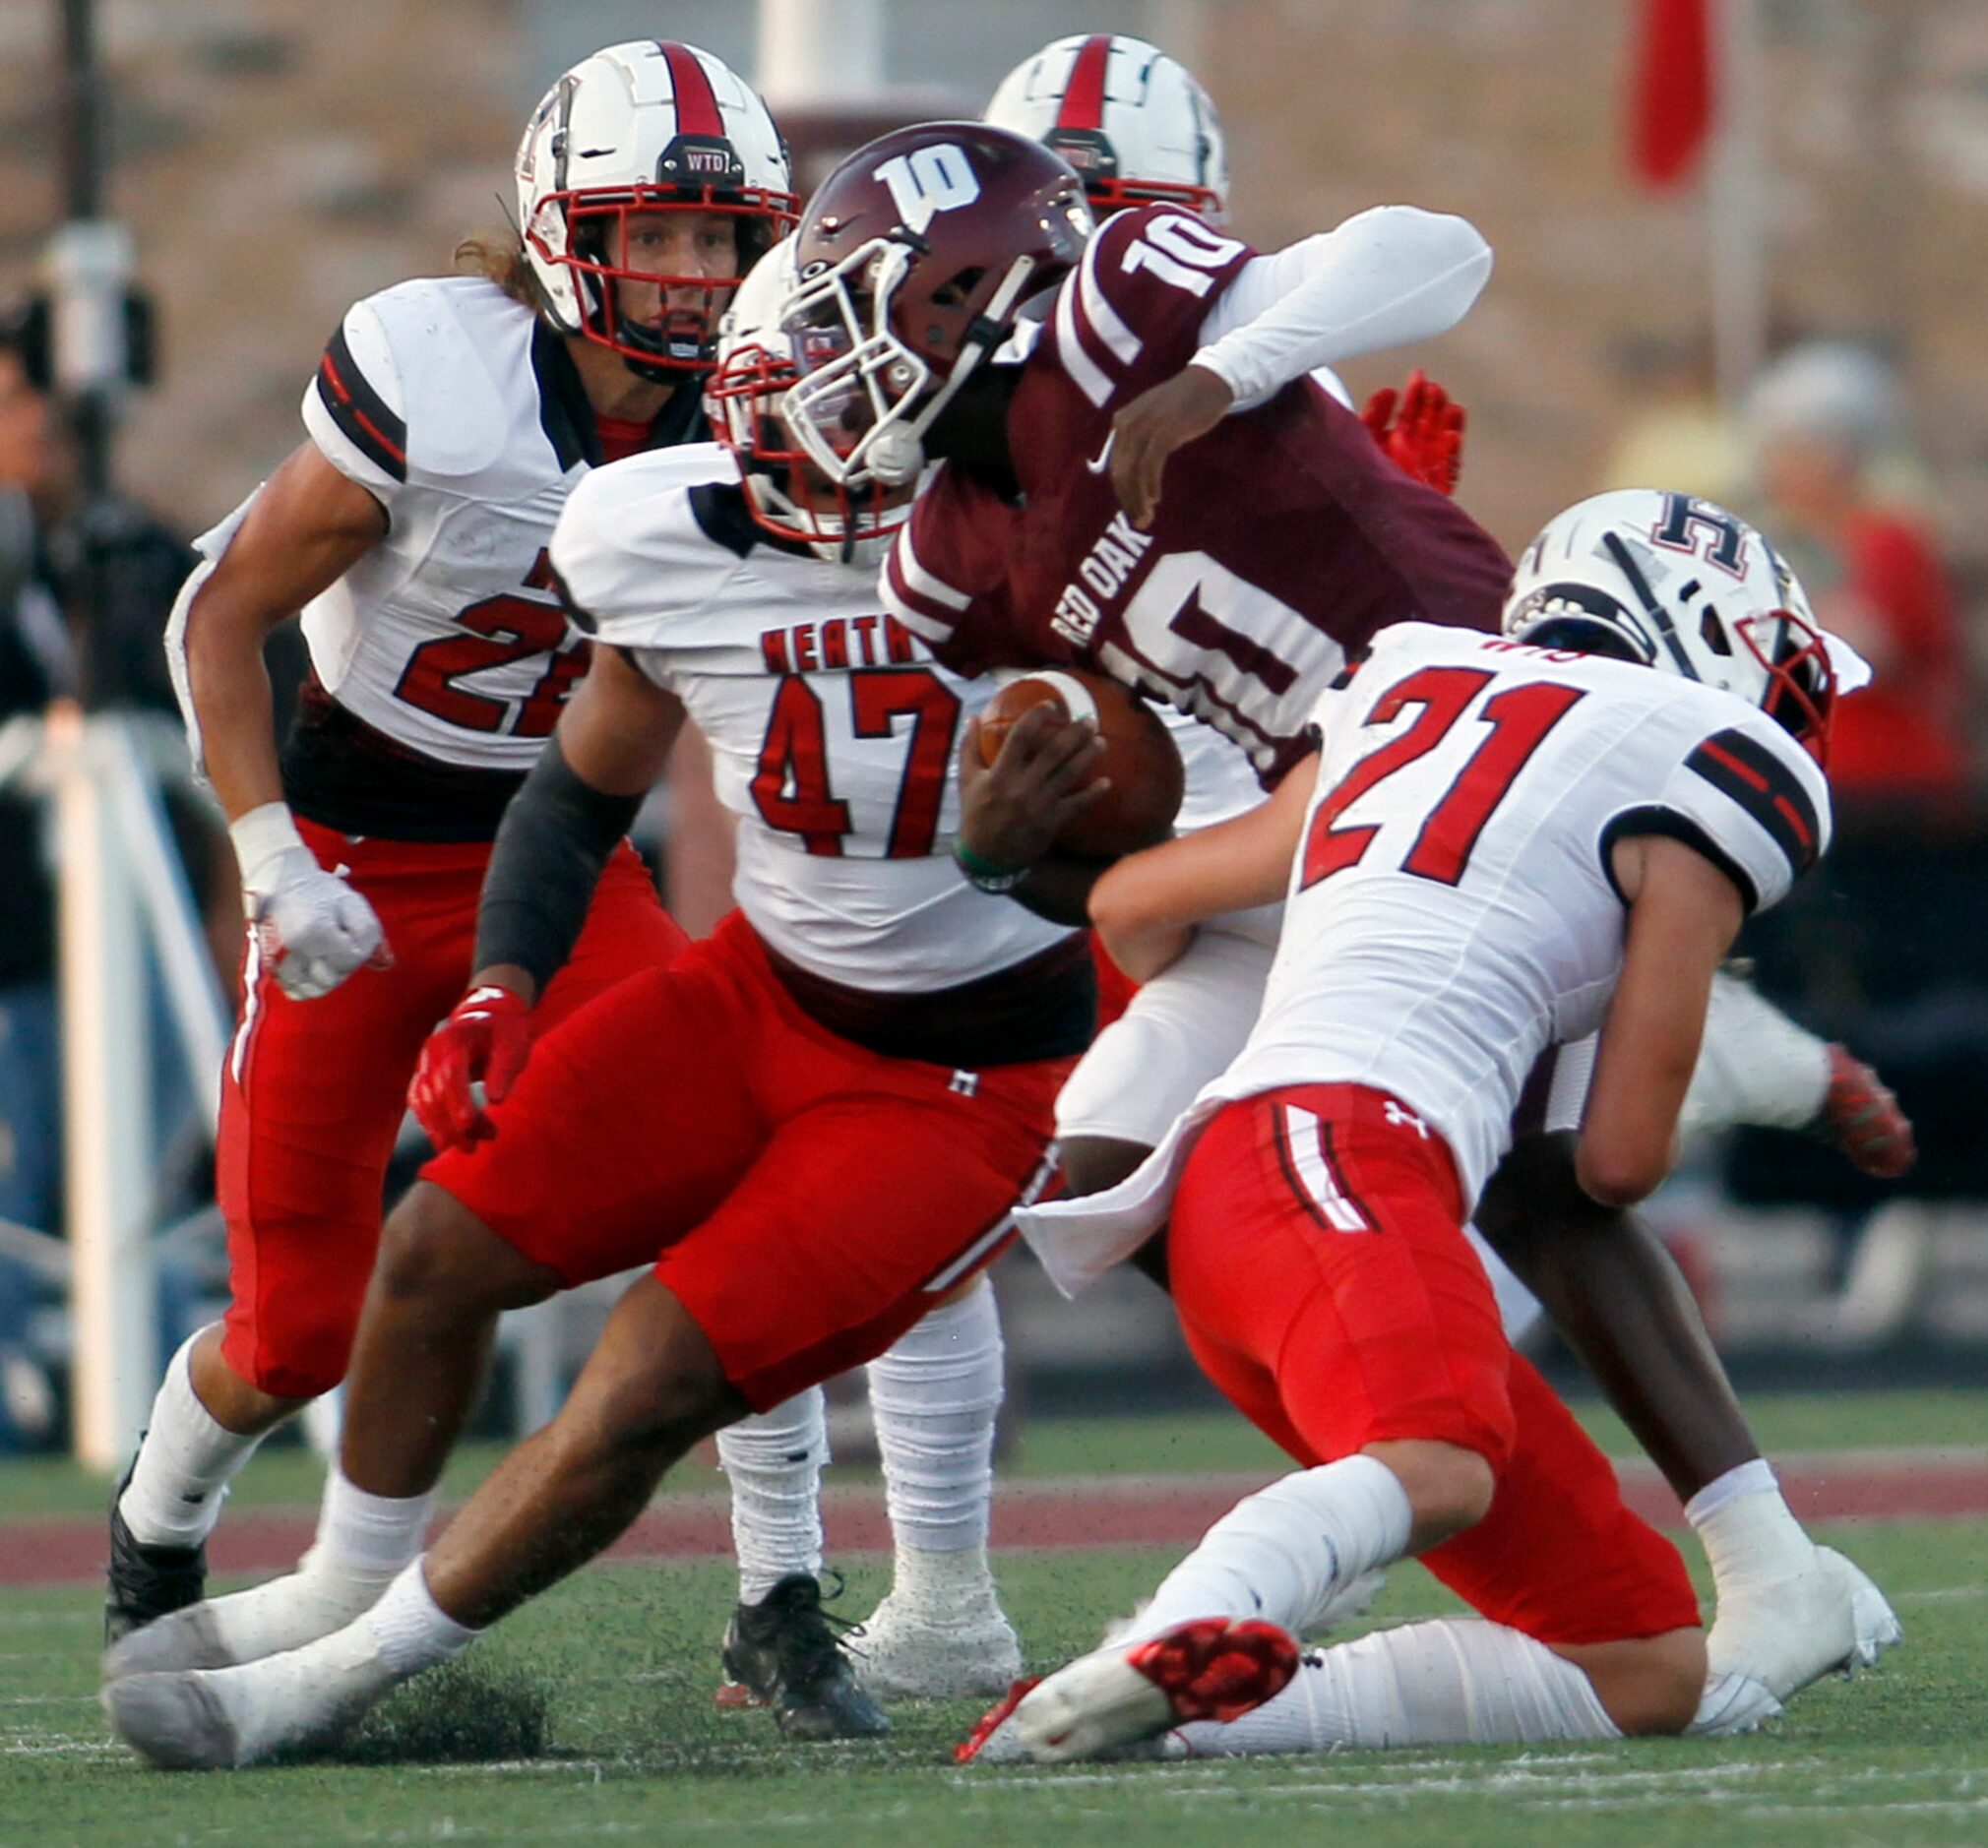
{"type": "Point", "coordinates": [555, 837]}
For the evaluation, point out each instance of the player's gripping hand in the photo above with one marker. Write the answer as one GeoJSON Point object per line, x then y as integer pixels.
{"type": "Point", "coordinates": [312, 930]}
{"type": "Point", "coordinates": [1044, 775]}
{"type": "Point", "coordinates": [1155, 425]}
{"type": "Point", "coordinates": [1420, 431]}
{"type": "Point", "coordinates": [485, 1041]}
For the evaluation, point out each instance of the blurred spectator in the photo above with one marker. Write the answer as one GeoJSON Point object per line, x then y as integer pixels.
{"type": "Point", "coordinates": [1822, 419]}
{"type": "Point", "coordinates": [49, 539]}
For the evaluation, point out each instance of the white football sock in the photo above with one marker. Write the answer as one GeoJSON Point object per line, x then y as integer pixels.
{"type": "Point", "coordinates": [935, 1397]}
{"type": "Point", "coordinates": [371, 1536]}
{"type": "Point", "coordinates": [1286, 1552]}
{"type": "Point", "coordinates": [184, 1466]}
{"type": "Point", "coordinates": [1451, 1682]}
{"type": "Point", "coordinates": [1755, 1066]}
{"type": "Point", "coordinates": [773, 1463]}
{"type": "Point", "coordinates": [408, 1630]}
{"type": "Point", "coordinates": [1749, 1536]}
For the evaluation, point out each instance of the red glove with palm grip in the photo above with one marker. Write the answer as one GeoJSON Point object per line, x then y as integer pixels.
{"type": "Point", "coordinates": [485, 1040]}
{"type": "Point", "coordinates": [1420, 431]}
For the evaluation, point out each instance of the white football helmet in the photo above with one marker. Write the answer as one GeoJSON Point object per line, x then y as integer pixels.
{"type": "Point", "coordinates": [643, 127]}
{"type": "Point", "coordinates": [1680, 584]}
{"type": "Point", "coordinates": [1130, 119]}
{"type": "Point", "coordinates": [746, 400]}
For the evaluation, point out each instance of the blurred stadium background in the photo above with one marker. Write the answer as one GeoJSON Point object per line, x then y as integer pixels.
{"type": "Point", "coordinates": [275, 159]}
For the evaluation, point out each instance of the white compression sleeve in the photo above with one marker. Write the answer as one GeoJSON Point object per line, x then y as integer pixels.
{"type": "Point", "coordinates": [1755, 1066]}
{"type": "Point", "coordinates": [1456, 1681]}
{"type": "Point", "coordinates": [774, 1462]}
{"type": "Point", "coordinates": [1285, 1553]}
{"type": "Point", "coordinates": [184, 1463]}
{"type": "Point", "coordinates": [1387, 277]}
{"type": "Point", "coordinates": [935, 1395]}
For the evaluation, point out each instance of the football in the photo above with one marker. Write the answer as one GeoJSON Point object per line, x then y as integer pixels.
{"type": "Point", "coordinates": [1140, 760]}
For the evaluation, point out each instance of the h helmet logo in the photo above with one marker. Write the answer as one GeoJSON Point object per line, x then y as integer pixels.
{"type": "Point", "coordinates": [1685, 517]}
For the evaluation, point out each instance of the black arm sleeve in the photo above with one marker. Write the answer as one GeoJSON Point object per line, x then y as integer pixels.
{"type": "Point", "coordinates": [554, 839]}
{"type": "Point", "coordinates": [1058, 889]}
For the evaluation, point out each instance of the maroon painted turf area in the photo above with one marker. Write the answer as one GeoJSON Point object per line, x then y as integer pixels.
{"type": "Point", "coordinates": [1146, 1510]}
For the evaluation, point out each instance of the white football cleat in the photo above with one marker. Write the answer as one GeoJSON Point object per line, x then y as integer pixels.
{"type": "Point", "coordinates": [1767, 1645]}
{"type": "Point", "coordinates": [217, 1719]}
{"type": "Point", "coordinates": [1213, 1668]}
{"type": "Point", "coordinates": [265, 1620]}
{"type": "Point", "coordinates": [904, 1652]}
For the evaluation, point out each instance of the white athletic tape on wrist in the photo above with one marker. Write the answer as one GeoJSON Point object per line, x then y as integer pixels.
{"type": "Point", "coordinates": [260, 837]}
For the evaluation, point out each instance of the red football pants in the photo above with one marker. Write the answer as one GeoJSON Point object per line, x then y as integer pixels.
{"type": "Point", "coordinates": [314, 1091]}
{"type": "Point", "coordinates": [1322, 1277]}
{"type": "Point", "coordinates": [806, 1200]}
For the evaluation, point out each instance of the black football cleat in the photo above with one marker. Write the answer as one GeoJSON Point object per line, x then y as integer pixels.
{"type": "Point", "coordinates": [784, 1653]}
{"type": "Point", "coordinates": [147, 1583]}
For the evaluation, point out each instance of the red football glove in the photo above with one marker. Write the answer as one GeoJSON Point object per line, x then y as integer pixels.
{"type": "Point", "coordinates": [1420, 430]}
{"type": "Point", "coordinates": [486, 1041]}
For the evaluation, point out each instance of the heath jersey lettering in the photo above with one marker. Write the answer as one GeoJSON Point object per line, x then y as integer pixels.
{"type": "Point", "coordinates": [832, 729]}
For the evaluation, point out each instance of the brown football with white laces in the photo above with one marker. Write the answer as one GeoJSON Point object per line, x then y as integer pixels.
{"type": "Point", "coordinates": [1140, 760]}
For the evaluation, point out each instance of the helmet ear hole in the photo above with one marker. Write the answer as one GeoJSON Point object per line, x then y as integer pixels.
{"type": "Point", "coordinates": [1711, 632]}
{"type": "Point", "coordinates": [955, 291]}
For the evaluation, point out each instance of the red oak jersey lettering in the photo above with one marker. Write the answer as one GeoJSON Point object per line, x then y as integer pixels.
{"type": "Point", "coordinates": [1283, 542]}
{"type": "Point", "coordinates": [833, 731]}
{"type": "Point", "coordinates": [1452, 910]}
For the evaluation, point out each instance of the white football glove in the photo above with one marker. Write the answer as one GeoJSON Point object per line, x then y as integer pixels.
{"type": "Point", "coordinates": [312, 929]}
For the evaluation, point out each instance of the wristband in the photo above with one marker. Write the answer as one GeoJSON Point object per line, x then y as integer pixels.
{"type": "Point", "coordinates": [984, 875]}
{"type": "Point", "coordinates": [262, 836]}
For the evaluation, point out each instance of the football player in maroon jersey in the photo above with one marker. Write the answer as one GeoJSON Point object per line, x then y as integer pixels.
{"type": "Point", "coordinates": [956, 307]}
{"type": "Point", "coordinates": [447, 424]}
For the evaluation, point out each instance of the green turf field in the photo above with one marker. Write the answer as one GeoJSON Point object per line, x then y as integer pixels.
{"type": "Point", "coordinates": [1103, 1447]}
{"type": "Point", "coordinates": [622, 1663]}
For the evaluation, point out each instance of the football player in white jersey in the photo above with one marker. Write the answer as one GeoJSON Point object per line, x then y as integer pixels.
{"type": "Point", "coordinates": [1166, 593]}
{"type": "Point", "coordinates": [448, 421]}
{"type": "Point", "coordinates": [1503, 843]}
{"type": "Point", "coordinates": [814, 1123]}
{"type": "Point", "coordinates": [1146, 131]}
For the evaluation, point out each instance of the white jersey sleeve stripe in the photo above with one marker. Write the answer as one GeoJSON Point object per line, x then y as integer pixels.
{"type": "Point", "coordinates": [1302, 1135]}
{"type": "Point", "coordinates": [1084, 372]}
{"type": "Point", "coordinates": [1103, 318]}
{"type": "Point", "coordinates": [916, 580]}
{"type": "Point", "coordinates": [925, 628]}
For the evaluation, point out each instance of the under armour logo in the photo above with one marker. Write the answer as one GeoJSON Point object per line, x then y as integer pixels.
{"type": "Point", "coordinates": [1401, 1113]}
{"type": "Point", "coordinates": [967, 1083]}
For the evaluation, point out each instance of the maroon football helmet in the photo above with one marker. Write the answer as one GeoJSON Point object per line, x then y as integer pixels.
{"type": "Point", "coordinates": [913, 258]}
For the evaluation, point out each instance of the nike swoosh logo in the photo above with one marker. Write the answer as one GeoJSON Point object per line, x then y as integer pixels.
{"type": "Point", "coordinates": [1104, 460]}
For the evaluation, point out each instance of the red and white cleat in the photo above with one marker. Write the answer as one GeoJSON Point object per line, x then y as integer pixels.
{"type": "Point", "coordinates": [1862, 1120]}
{"type": "Point", "coordinates": [1214, 1668]}
{"type": "Point", "coordinates": [992, 1740]}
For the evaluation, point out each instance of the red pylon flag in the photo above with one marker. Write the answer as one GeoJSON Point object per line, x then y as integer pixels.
{"type": "Point", "coordinates": [1671, 90]}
